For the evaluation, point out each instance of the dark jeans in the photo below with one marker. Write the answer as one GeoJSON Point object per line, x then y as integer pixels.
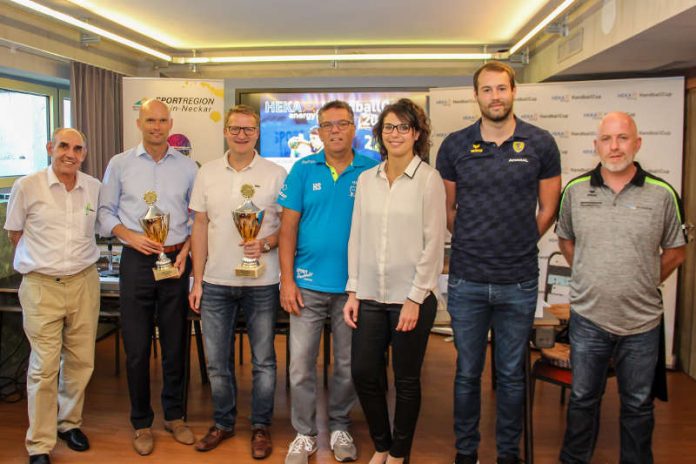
{"type": "Point", "coordinates": [144, 301]}
{"type": "Point", "coordinates": [635, 357]}
{"type": "Point", "coordinates": [474, 309]}
{"type": "Point", "coordinates": [376, 330]}
{"type": "Point", "coordinates": [220, 306]}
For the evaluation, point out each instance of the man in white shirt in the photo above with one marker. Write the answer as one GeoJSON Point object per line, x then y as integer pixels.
{"type": "Point", "coordinates": [218, 294]}
{"type": "Point", "coordinates": [50, 220]}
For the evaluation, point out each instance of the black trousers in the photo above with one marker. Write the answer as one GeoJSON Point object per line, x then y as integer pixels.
{"type": "Point", "coordinates": [376, 330]}
{"type": "Point", "coordinates": [145, 302]}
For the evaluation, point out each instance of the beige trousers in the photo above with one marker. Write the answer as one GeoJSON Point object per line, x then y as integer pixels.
{"type": "Point", "coordinates": [60, 320]}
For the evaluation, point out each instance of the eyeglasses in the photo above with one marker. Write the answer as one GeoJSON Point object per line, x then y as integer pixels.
{"type": "Point", "coordinates": [342, 124]}
{"type": "Point", "coordinates": [235, 130]}
{"type": "Point", "coordinates": [400, 128]}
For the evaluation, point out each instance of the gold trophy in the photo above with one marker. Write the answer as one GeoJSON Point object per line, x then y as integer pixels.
{"type": "Point", "coordinates": [155, 224]}
{"type": "Point", "coordinates": [248, 218]}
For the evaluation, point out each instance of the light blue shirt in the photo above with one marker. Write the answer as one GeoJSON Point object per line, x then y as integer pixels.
{"type": "Point", "coordinates": [132, 173]}
{"type": "Point", "coordinates": [326, 208]}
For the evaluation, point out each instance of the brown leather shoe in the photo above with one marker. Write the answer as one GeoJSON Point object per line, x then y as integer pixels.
{"type": "Point", "coordinates": [143, 441]}
{"type": "Point", "coordinates": [213, 438]}
{"type": "Point", "coordinates": [180, 431]}
{"type": "Point", "coordinates": [261, 445]}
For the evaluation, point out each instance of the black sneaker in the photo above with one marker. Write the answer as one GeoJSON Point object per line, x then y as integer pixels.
{"type": "Point", "coordinates": [508, 460]}
{"type": "Point", "coordinates": [466, 459]}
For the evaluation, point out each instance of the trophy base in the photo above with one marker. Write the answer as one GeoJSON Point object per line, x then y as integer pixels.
{"type": "Point", "coordinates": [168, 272]}
{"type": "Point", "coordinates": [253, 272]}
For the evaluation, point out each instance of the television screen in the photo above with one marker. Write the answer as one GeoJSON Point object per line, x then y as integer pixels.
{"type": "Point", "coordinates": [289, 126]}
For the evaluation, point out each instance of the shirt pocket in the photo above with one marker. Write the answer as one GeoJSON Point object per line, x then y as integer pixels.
{"type": "Point", "coordinates": [86, 223]}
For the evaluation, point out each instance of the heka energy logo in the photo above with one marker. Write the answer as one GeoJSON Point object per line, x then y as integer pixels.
{"type": "Point", "coordinates": [529, 116]}
{"type": "Point", "coordinates": [560, 98]}
{"type": "Point", "coordinates": [628, 95]}
{"type": "Point", "coordinates": [596, 115]}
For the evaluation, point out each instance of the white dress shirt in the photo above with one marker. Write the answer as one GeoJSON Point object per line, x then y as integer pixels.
{"type": "Point", "coordinates": [58, 226]}
{"type": "Point", "coordinates": [397, 237]}
{"type": "Point", "coordinates": [217, 192]}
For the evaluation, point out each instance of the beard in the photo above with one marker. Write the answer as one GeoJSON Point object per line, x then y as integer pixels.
{"type": "Point", "coordinates": [496, 117]}
{"type": "Point", "coordinates": [619, 166]}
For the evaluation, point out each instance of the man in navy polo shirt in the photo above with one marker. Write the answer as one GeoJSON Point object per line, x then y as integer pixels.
{"type": "Point", "coordinates": [502, 179]}
{"type": "Point", "coordinates": [317, 201]}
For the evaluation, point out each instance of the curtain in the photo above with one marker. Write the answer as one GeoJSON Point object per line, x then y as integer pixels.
{"type": "Point", "coordinates": [686, 307]}
{"type": "Point", "coordinates": [97, 111]}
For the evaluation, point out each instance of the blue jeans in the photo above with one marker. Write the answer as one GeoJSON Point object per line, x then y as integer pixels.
{"type": "Point", "coordinates": [474, 309]}
{"type": "Point", "coordinates": [635, 357]}
{"type": "Point", "coordinates": [220, 306]}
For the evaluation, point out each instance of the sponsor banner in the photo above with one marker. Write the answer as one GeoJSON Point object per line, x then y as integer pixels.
{"type": "Point", "coordinates": [197, 108]}
{"type": "Point", "coordinates": [571, 111]}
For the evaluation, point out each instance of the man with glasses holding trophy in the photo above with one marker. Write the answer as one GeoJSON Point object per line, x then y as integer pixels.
{"type": "Point", "coordinates": [235, 202]}
{"type": "Point", "coordinates": [144, 202]}
{"type": "Point", "coordinates": [317, 201]}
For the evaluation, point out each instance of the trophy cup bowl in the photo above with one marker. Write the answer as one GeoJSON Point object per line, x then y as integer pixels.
{"type": "Point", "coordinates": [155, 224]}
{"type": "Point", "coordinates": [248, 218]}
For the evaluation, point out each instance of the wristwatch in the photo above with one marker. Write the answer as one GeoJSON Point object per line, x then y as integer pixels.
{"type": "Point", "coordinates": [266, 245]}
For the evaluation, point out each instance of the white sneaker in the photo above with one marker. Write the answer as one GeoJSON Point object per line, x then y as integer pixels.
{"type": "Point", "coordinates": [343, 446]}
{"type": "Point", "coordinates": [301, 448]}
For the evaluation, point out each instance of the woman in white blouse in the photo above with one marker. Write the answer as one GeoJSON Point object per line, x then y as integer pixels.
{"type": "Point", "coordinates": [395, 256]}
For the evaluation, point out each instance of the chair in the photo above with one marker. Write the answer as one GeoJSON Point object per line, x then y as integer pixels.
{"type": "Point", "coordinates": [558, 275]}
{"type": "Point", "coordinates": [554, 367]}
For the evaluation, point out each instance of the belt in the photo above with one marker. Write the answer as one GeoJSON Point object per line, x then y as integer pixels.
{"type": "Point", "coordinates": [61, 278]}
{"type": "Point", "coordinates": [173, 248]}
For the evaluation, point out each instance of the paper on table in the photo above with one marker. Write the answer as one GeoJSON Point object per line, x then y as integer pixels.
{"type": "Point", "coordinates": [541, 304]}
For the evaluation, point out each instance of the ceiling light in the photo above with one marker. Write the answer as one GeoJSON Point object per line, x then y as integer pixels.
{"type": "Point", "coordinates": [88, 27]}
{"type": "Point", "coordinates": [336, 57]}
{"type": "Point", "coordinates": [553, 15]}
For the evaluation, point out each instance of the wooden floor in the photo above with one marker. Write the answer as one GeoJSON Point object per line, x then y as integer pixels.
{"type": "Point", "coordinates": [106, 420]}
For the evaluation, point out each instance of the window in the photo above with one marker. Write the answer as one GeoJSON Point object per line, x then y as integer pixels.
{"type": "Point", "coordinates": [29, 114]}
{"type": "Point", "coordinates": [67, 115]}
{"type": "Point", "coordinates": [23, 132]}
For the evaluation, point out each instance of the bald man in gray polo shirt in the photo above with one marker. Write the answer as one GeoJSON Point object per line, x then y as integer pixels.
{"type": "Point", "coordinates": [620, 228]}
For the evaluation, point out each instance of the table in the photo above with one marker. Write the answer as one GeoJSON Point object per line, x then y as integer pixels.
{"type": "Point", "coordinates": [108, 312]}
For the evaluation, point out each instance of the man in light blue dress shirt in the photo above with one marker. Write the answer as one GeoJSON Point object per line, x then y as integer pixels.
{"type": "Point", "coordinates": [151, 166]}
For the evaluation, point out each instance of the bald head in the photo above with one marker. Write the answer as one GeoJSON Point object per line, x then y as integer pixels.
{"type": "Point", "coordinates": [152, 104]}
{"type": "Point", "coordinates": [155, 122]}
{"type": "Point", "coordinates": [621, 118]}
{"type": "Point", "coordinates": [617, 142]}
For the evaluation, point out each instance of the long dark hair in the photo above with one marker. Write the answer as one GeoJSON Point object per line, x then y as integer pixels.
{"type": "Point", "coordinates": [408, 112]}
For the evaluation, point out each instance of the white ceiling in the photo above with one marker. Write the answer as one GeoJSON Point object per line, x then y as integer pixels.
{"type": "Point", "coordinates": [210, 24]}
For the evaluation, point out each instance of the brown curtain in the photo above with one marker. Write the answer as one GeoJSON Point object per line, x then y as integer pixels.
{"type": "Point", "coordinates": [97, 111]}
{"type": "Point", "coordinates": [686, 307]}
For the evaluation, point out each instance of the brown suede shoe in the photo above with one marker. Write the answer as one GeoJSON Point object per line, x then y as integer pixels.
{"type": "Point", "coordinates": [213, 438]}
{"type": "Point", "coordinates": [261, 445]}
{"type": "Point", "coordinates": [180, 431]}
{"type": "Point", "coordinates": [143, 441]}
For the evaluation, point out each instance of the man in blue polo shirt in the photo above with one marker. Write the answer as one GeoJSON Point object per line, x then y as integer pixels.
{"type": "Point", "coordinates": [317, 201]}
{"type": "Point", "coordinates": [496, 173]}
